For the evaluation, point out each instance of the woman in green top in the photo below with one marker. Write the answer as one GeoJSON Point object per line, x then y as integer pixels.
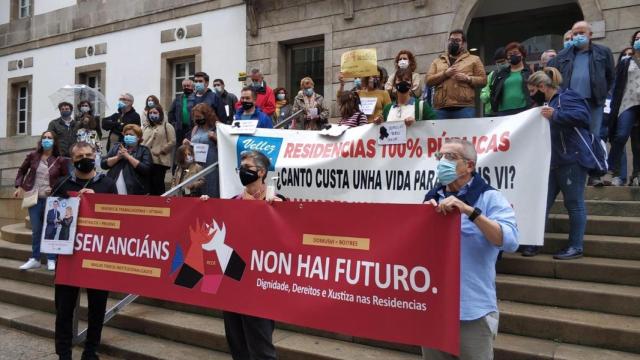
{"type": "Point", "coordinates": [509, 93]}
{"type": "Point", "coordinates": [406, 107]}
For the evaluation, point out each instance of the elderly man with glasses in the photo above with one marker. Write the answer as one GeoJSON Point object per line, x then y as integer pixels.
{"type": "Point", "coordinates": [488, 226]}
{"type": "Point", "coordinates": [125, 115]}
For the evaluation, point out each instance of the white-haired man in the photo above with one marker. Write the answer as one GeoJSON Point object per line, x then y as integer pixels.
{"type": "Point", "coordinates": [125, 115]}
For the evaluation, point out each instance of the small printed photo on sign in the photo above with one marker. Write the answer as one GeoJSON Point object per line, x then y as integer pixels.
{"type": "Point", "coordinates": [368, 105]}
{"type": "Point", "coordinates": [392, 133]}
{"type": "Point", "coordinates": [59, 227]}
{"type": "Point", "coordinates": [246, 127]}
{"type": "Point", "coordinates": [200, 152]}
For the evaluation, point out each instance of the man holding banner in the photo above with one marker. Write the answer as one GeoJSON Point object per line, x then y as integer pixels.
{"type": "Point", "coordinates": [488, 226]}
{"type": "Point", "coordinates": [83, 181]}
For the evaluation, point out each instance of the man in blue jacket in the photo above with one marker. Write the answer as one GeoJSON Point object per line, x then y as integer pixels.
{"type": "Point", "coordinates": [203, 94]}
{"type": "Point", "coordinates": [249, 111]}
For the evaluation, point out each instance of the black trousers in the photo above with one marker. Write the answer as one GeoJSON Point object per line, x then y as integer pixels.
{"type": "Point", "coordinates": [157, 179]}
{"type": "Point", "coordinates": [249, 337]}
{"type": "Point", "coordinates": [66, 297]}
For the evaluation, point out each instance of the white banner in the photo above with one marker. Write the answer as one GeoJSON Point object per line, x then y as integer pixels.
{"type": "Point", "coordinates": [513, 157]}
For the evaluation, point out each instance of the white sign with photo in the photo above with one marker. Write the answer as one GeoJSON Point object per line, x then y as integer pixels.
{"type": "Point", "coordinates": [59, 225]}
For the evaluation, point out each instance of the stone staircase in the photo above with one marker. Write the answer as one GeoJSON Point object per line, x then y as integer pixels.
{"type": "Point", "coordinates": [587, 308]}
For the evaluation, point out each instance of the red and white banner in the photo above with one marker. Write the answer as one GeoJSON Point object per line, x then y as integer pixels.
{"type": "Point", "coordinates": [382, 271]}
{"type": "Point", "coordinates": [513, 157]}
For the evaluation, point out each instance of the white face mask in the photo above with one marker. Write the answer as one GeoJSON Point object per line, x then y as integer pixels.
{"type": "Point", "coordinates": [403, 64]}
{"type": "Point", "coordinates": [625, 57]}
{"type": "Point", "coordinates": [189, 159]}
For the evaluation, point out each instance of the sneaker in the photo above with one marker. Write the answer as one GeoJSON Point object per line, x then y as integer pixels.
{"type": "Point", "coordinates": [635, 181]}
{"type": "Point", "coordinates": [568, 254]}
{"type": "Point", "coordinates": [597, 182]}
{"type": "Point", "coordinates": [530, 250]}
{"type": "Point", "coordinates": [51, 265]}
{"type": "Point", "coordinates": [30, 264]}
{"type": "Point", "coordinates": [616, 181]}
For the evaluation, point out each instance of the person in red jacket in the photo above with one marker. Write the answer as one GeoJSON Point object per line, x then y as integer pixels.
{"type": "Point", "coordinates": [266, 100]}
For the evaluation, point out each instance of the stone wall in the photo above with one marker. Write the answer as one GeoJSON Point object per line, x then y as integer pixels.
{"type": "Point", "coordinates": [622, 19]}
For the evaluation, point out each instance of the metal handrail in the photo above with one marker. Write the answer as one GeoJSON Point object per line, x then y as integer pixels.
{"type": "Point", "coordinates": [287, 120]}
{"type": "Point", "coordinates": [113, 311]}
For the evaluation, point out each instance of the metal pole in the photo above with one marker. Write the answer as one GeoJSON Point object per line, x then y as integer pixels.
{"type": "Point", "coordinates": [80, 337]}
{"type": "Point", "coordinates": [287, 120]}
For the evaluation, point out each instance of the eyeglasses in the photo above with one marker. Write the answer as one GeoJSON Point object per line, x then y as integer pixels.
{"type": "Point", "coordinates": [448, 156]}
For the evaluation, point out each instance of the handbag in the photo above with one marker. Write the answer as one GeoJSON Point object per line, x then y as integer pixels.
{"type": "Point", "coordinates": [30, 198]}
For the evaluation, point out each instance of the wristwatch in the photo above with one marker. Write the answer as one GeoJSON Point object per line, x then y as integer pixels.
{"type": "Point", "coordinates": [476, 212]}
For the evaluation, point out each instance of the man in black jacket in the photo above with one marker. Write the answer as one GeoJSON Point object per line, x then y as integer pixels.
{"type": "Point", "coordinates": [203, 94]}
{"type": "Point", "coordinates": [64, 128]}
{"type": "Point", "coordinates": [84, 180]}
{"type": "Point", "coordinates": [227, 99]}
{"type": "Point", "coordinates": [180, 111]}
{"type": "Point", "coordinates": [125, 115]}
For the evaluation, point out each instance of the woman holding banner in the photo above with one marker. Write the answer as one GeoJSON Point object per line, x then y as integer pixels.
{"type": "Point", "coordinates": [372, 99]}
{"type": "Point", "coordinates": [39, 171]}
{"type": "Point", "coordinates": [406, 108]}
{"type": "Point", "coordinates": [571, 156]}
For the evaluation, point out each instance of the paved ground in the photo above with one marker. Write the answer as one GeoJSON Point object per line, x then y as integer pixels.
{"type": "Point", "coordinates": [18, 345]}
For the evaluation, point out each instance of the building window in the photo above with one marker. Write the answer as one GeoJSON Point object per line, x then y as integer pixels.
{"type": "Point", "coordinates": [304, 60]}
{"type": "Point", "coordinates": [22, 109]}
{"type": "Point", "coordinates": [93, 80]}
{"type": "Point", "coordinates": [19, 106]}
{"type": "Point", "coordinates": [24, 8]}
{"type": "Point", "coordinates": [182, 69]}
{"type": "Point", "coordinates": [94, 77]}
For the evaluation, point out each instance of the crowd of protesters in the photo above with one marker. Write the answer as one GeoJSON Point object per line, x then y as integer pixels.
{"type": "Point", "coordinates": [580, 90]}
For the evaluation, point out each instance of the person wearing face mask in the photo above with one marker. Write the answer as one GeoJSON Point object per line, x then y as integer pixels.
{"type": "Point", "coordinates": [315, 114]}
{"type": "Point", "coordinates": [249, 111]}
{"type": "Point", "coordinates": [406, 107]}
{"type": "Point", "coordinates": [39, 171]}
{"type": "Point", "coordinates": [500, 60]}
{"type": "Point", "coordinates": [283, 108]}
{"type": "Point", "coordinates": [84, 108]}
{"type": "Point", "coordinates": [129, 163]}
{"type": "Point", "coordinates": [567, 39]}
{"type": "Point", "coordinates": [186, 167]}
{"type": "Point", "coordinates": [125, 115]}
{"type": "Point", "coordinates": [509, 94]}
{"type": "Point", "coordinates": [624, 118]}
{"type": "Point", "coordinates": [370, 90]}
{"type": "Point", "coordinates": [64, 128]}
{"type": "Point", "coordinates": [405, 60]}
{"type": "Point", "coordinates": [180, 111]}
{"type": "Point", "coordinates": [151, 102]}
{"type": "Point", "coordinates": [251, 337]}
{"type": "Point", "coordinates": [227, 99]}
{"type": "Point", "coordinates": [455, 75]}
{"type": "Point", "coordinates": [160, 137]}
{"type": "Point", "coordinates": [265, 98]}
{"type": "Point", "coordinates": [569, 117]}
{"type": "Point", "coordinates": [87, 130]}
{"type": "Point", "coordinates": [84, 180]}
{"type": "Point", "coordinates": [204, 132]}
{"type": "Point", "coordinates": [488, 226]}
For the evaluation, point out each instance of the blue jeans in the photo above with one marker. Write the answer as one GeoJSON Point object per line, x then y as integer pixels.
{"type": "Point", "coordinates": [456, 113]}
{"type": "Point", "coordinates": [617, 158]}
{"type": "Point", "coordinates": [36, 215]}
{"type": "Point", "coordinates": [597, 112]}
{"type": "Point", "coordinates": [571, 181]}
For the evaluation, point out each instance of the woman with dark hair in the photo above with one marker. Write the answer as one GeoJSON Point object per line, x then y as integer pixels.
{"type": "Point", "coordinates": [160, 137]}
{"type": "Point", "coordinates": [84, 108]}
{"type": "Point", "coordinates": [405, 60]}
{"type": "Point", "coordinates": [203, 135]}
{"type": "Point", "coordinates": [406, 107]}
{"type": "Point", "coordinates": [370, 92]}
{"type": "Point", "coordinates": [151, 102]}
{"type": "Point", "coordinates": [186, 167]}
{"type": "Point", "coordinates": [625, 114]}
{"type": "Point", "coordinates": [509, 94]}
{"type": "Point", "coordinates": [40, 170]}
{"type": "Point", "coordinates": [129, 164]}
{"type": "Point", "coordinates": [349, 103]}
{"type": "Point", "coordinates": [283, 108]}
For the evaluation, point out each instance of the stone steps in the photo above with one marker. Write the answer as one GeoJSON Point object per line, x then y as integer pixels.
{"type": "Point", "coordinates": [612, 193]}
{"type": "Point", "coordinates": [592, 269]}
{"type": "Point", "coordinates": [598, 225]}
{"type": "Point", "coordinates": [606, 208]}
{"type": "Point", "coordinates": [612, 247]}
{"type": "Point", "coordinates": [16, 233]}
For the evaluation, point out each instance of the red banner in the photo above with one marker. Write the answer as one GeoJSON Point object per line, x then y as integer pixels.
{"type": "Point", "coordinates": [382, 271]}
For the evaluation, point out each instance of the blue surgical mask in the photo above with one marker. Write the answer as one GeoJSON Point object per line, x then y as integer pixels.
{"type": "Point", "coordinates": [199, 87]}
{"type": "Point", "coordinates": [308, 92]}
{"type": "Point", "coordinates": [357, 82]}
{"type": "Point", "coordinates": [217, 89]}
{"type": "Point", "coordinates": [121, 105]}
{"type": "Point", "coordinates": [65, 114]}
{"type": "Point", "coordinates": [281, 96]}
{"type": "Point", "coordinates": [151, 103]}
{"type": "Point", "coordinates": [154, 117]}
{"type": "Point", "coordinates": [580, 40]}
{"type": "Point", "coordinates": [568, 44]}
{"type": "Point", "coordinates": [47, 144]}
{"type": "Point", "coordinates": [130, 140]}
{"type": "Point", "coordinates": [446, 171]}
{"type": "Point", "coordinates": [256, 84]}
{"type": "Point", "coordinates": [636, 45]}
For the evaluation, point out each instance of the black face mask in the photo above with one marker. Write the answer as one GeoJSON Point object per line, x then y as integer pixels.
{"type": "Point", "coordinates": [247, 176]}
{"type": "Point", "coordinates": [538, 98]}
{"type": "Point", "coordinates": [187, 91]}
{"type": "Point", "coordinates": [85, 165]}
{"type": "Point", "coordinates": [246, 105]}
{"type": "Point", "coordinates": [515, 59]}
{"type": "Point", "coordinates": [403, 87]}
{"type": "Point", "coordinates": [200, 121]}
{"type": "Point", "coordinates": [454, 48]}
